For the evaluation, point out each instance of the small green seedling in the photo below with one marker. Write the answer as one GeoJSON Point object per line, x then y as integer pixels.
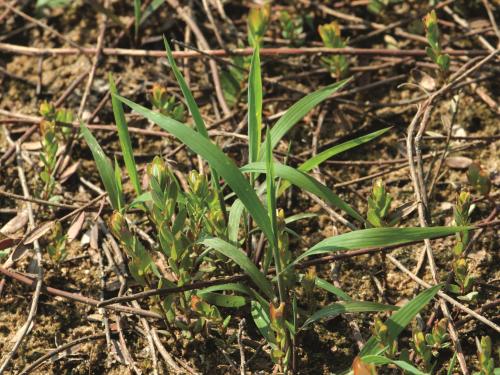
{"type": "Point", "coordinates": [422, 349]}
{"type": "Point", "coordinates": [478, 179]}
{"type": "Point", "coordinates": [331, 37]}
{"type": "Point", "coordinates": [292, 28]}
{"type": "Point", "coordinates": [379, 205]}
{"type": "Point", "coordinates": [57, 244]}
{"type": "Point", "coordinates": [377, 6]}
{"type": "Point", "coordinates": [141, 264]}
{"type": "Point", "coordinates": [167, 105]}
{"type": "Point", "coordinates": [208, 316]}
{"type": "Point", "coordinates": [463, 279]}
{"type": "Point", "coordinates": [279, 352]}
{"type": "Point", "coordinates": [381, 332]}
{"type": "Point", "coordinates": [486, 362]}
{"type": "Point", "coordinates": [434, 48]}
{"type": "Point", "coordinates": [428, 346]}
{"type": "Point", "coordinates": [50, 137]}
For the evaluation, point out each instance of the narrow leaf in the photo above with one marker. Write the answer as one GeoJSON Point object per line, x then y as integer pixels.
{"type": "Point", "coordinates": [191, 103]}
{"type": "Point", "coordinates": [323, 284]}
{"type": "Point", "coordinates": [297, 111]}
{"type": "Point", "coordinates": [270, 191]}
{"type": "Point", "coordinates": [104, 167]}
{"type": "Point", "coordinates": [376, 237]}
{"type": "Point", "coordinates": [254, 107]}
{"type": "Point", "coordinates": [222, 300]}
{"type": "Point", "coordinates": [124, 136]}
{"type": "Point", "coordinates": [137, 16]}
{"type": "Point", "coordinates": [332, 151]}
{"type": "Point", "coordinates": [235, 287]}
{"type": "Point", "coordinates": [233, 223]}
{"type": "Point", "coordinates": [240, 258]}
{"type": "Point", "coordinates": [347, 307]}
{"type": "Point", "coordinates": [150, 9]}
{"type": "Point", "coordinates": [195, 112]}
{"type": "Point", "coordinates": [262, 320]}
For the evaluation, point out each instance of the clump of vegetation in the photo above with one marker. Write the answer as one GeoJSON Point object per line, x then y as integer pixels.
{"type": "Point", "coordinates": [197, 239]}
{"type": "Point", "coordinates": [215, 245]}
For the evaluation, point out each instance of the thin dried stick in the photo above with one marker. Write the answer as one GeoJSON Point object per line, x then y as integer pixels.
{"type": "Point", "coordinates": [487, 6]}
{"type": "Point", "coordinates": [241, 326]}
{"type": "Point", "coordinates": [281, 51]}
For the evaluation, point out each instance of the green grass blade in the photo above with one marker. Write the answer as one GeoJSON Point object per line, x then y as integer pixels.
{"type": "Point", "coordinates": [197, 118]}
{"type": "Point", "coordinates": [305, 182]}
{"type": "Point", "coordinates": [271, 209]}
{"type": "Point", "coordinates": [332, 151]}
{"type": "Point", "coordinates": [298, 110]}
{"type": "Point", "coordinates": [216, 159]}
{"type": "Point", "coordinates": [222, 300]}
{"type": "Point", "coordinates": [139, 201]}
{"type": "Point", "coordinates": [191, 103]}
{"type": "Point", "coordinates": [451, 366]}
{"type": "Point", "coordinates": [137, 16]}
{"type": "Point", "coordinates": [347, 307]}
{"type": "Point", "coordinates": [400, 319]}
{"type": "Point", "coordinates": [240, 258]}
{"type": "Point", "coordinates": [376, 237]}
{"type": "Point", "coordinates": [234, 287]}
{"type": "Point", "coordinates": [150, 9]}
{"type": "Point", "coordinates": [254, 107]}
{"type": "Point", "coordinates": [262, 321]}
{"type": "Point", "coordinates": [381, 360]}
{"type": "Point", "coordinates": [271, 188]}
{"type": "Point", "coordinates": [124, 136]}
{"type": "Point", "coordinates": [297, 217]}
{"type": "Point", "coordinates": [104, 167]}
{"type": "Point", "coordinates": [323, 284]}
{"type": "Point", "coordinates": [233, 222]}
